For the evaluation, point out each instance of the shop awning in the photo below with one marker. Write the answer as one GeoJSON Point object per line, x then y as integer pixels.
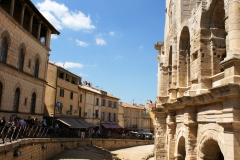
{"type": "Point", "coordinates": [85, 123]}
{"type": "Point", "coordinates": [112, 126]}
{"type": "Point", "coordinates": [74, 122]}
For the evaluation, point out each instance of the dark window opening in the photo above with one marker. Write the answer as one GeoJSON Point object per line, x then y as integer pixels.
{"type": "Point", "coordinates": [25, 101]}
{"type": "Point", "coordinates": [16, 100]}
{"type": "Point", "coordinates": [97, 101]}
{"type": "Point", "coordinates": [4, 50]}
{"type": "Point", "coordinates": [61, 93]}
{"type": "Point", "coordinates": [61, 75]}
{"type": "Point", "coordinates": [36, 68]}
{"type": "Point", "coordinates": [80, 98]}
{"type": "Point", "coordinates": [33, 103]}
{"type": "Point", "coordinates": [109, 117]}
{"type": "Point", "coordinates": [71, 95]}
{"type": "Point", "coordinates": [96, 113]}
{"type": "Point", "coordinates": [21, 60]}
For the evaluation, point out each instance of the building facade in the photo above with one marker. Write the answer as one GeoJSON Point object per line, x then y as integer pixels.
{"type": "Point", "coordinates": [198, 105]}
{"type": "Point", "coordinates": [24, 52]}
{"type": "Point", "coordinates": [133, 117]}
{"type": "Point", "coordinates": [61, 92]}
{"type": "Point", "coordinates": [98, 107]}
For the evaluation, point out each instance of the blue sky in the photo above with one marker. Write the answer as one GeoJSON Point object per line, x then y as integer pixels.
{"type": "Point", "coordinates": [109, 43]}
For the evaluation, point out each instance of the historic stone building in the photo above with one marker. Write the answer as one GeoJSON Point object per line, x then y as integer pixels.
{"type": "Point", "coordinates": [134, 117]}
{"type": "Point", "coordinates": [198, 102]}
{"type": "Point", "coordinates": [24, 51]}
{"type": "Point", "coordinates": [98, 107]}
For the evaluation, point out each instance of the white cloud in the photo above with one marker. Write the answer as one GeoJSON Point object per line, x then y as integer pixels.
{"type": "Point", "coordinates": [69, 65]}
{"type": "Point", "coordinates": [140, 47]}
{"type": "Point", "coordinates": [112, 33]}
{"type": "Point", "coordinates": [81, 43]}
{"type": "Point", "coordinates": [60, 16]}
{"type": "Point", "coordinates": [100, 41]}
{"type": "Point", "coordinates": [53, 36]}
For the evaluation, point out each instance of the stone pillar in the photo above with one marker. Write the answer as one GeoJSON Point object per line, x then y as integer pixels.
{"type": "Point", "coordinates": [22, 14]}
{"type": "Point", "coordinates": [171, 141]}
{"type": "Point", "coordinates": [30, 23]}
{"type": "Point", "coordinates": [48, 38]}
{"type": "Point", "coordinates": [12, 7]}
{"type": "Point", "coordinates": [191, 141]}
{"type": "Point", "coordinates": [231, 63]}
{"type": "Point", "coordinates": [234, 29]}
{"type": "Point", "coordinates": [39, 30]}
{"type": "Point", "coordinates": [160, 151]}
{"type": "Point", "coordinates": [191, 133]}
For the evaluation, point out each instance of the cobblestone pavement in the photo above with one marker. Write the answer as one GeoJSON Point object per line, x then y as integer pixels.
{"type": "Point", "coordinates": [90, 152]}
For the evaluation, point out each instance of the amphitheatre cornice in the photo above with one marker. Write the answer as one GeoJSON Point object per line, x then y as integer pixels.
{"type": "Point", "coordinates": [216, 94]}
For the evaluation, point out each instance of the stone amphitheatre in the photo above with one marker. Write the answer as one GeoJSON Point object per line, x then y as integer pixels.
{"type": "Point", "coordinates": [198, 103]}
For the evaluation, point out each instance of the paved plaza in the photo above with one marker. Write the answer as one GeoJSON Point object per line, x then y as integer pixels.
{"type": "Point", "coordinates": [94, 153]}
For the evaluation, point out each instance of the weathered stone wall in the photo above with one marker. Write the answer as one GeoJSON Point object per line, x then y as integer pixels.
{"type": "Point", "coordinates": [200, 60]}
{"type": "Point", "coordinates": [12, 78]}
{"type": "Point", "coordinates": [33, 148]}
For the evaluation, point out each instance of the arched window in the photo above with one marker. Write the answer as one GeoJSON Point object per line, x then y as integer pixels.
{"type": "Point", "coordinates": [21, 60]}
{"type": "Point", "coordinates": [4, 50]}
{"type": "Point", "coordinates": [0, 93]}
{"type": "Point", "coordinates": [33, 103]}
{"type": "Point", "coordinates": [16, 100]}
{"type": "Point", "coordinates": [36, 68]}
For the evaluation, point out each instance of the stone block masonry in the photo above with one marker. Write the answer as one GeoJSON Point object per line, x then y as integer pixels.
{"type": "Point", "coordinates": [45, 148]}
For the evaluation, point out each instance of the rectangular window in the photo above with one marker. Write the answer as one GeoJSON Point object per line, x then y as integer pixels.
{"type": "Point", "coordinates": [114, 117]}
{"type": "Point", "coordinates": [115, 104]}
{"type": "Point", "coordinates": [25, 101]}
{"type": "Point", "coordinates": [103, 102]}
{"type": "Point", "coordinates": [61, 75]}
{"type": "Point", "coordinates": [96, 113]}
{"type": "Point", "coordinates": [109, 103]}
{"type": "Point", "coordinates": [61, 92]}
{"type": "Point", "coordinates": [29, 63]}
{"type": "Point", "coordinates": [71, 95]}
{"type": "Point", "coordinates": [67, 78]}
{"type": "Point", "coordinates": [80, 112]}
{"type": "Point", "coordinates": [109, 117]}
{"type": "Point", "coordinates": [80, 98]}
{"type": "Point", "coordinates": [97, 101]}
{"type": "Point", "coordinates": [103, 116]}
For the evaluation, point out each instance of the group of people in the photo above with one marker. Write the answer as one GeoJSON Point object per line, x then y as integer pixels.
{"type": "Point", "coordinates": [19, 122]}
{"type": "Point", "coordinates": [17, 126]}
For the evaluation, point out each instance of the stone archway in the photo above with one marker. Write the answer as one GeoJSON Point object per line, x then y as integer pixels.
{"type": "Point", "coordinates": [184, 61]}
{"type": "Point", "coordinates": [181, 149]}
{"type": "Point", "coordinates": [210, 150]}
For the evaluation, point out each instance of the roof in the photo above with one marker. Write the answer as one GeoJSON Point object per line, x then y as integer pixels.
{"type": "Point", "coordinates": [32, 6]}
{"type": "Point", "coordinates": [126, 105]}
{"type": "Point", "coordinates": [86, 87]}
{"type": "Point", "coordinates": [52, 63]}
{"type": "Point", "coordinates": [95, 90]}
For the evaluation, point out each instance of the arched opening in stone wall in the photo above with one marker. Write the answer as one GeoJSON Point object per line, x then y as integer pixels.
{"type": "Point", "coordinates": [218, 36]}
{"type": "Point", "coordinates": [170, 67]}
{"type": "Point", "coordinates": [184, 58]}
{"type": "Point", "coordinates": [211, 151]}
{"type": "Point", "coordinates": [181, 155]}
